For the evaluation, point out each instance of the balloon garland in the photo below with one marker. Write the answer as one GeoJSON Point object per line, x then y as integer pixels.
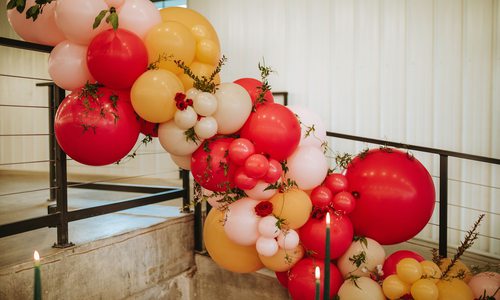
{"type": "Point", "coordinates": [263, 166]}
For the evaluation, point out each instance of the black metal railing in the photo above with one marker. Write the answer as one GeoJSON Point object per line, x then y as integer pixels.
{"type": "Point", "coordinates": [58, 214]}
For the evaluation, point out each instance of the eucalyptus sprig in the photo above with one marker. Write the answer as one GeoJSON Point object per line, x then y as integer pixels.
{"type": "Point", "coordinates": [227, 197]}
{"type": "Point", "coordinates": [144, 142]}
{"type": "Point", "coordinates": [265, 87]}
{"type": "Point", "coordinates": [112, 18]}
{"type": "Point", "coordinates": [90, 90]}
{"type": "Point", "coordinates": [33, 11]}
{"type": "Point", "coordinates": [204, 84]}
{"type": "Point", "coordinates": [343, 160]}
{"type": "Point", "coordinates": [155, 65]}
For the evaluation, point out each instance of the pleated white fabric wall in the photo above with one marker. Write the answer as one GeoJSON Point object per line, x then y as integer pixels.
{"type": "Point", "coordinates": [423, 72]}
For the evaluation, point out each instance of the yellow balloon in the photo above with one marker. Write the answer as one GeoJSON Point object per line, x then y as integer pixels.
{"type": "Point", "coordinates": [169, 41]}
{"type": "Point", "coordinates": [394, 287]}
{"type": "Point", "coordinates": [199, 69]}
{"type": "Point", "coordinates": [458, 267]}
{"type": "Point", "coordinates": [431, 270]}
{"type": "Point", "coordinates": [294, 206]}
{"type": "Point", "coordinates": [424, 289]}
{"type": "Point", "coordinates": [409, 270]}
{"type": "Point", "coordinates": [227, 254]}
{"type": "Point", "coordinates": [283, 260]}
{"type": "Point", "coordinates": [208, 51]}
{"type": "Point", "coordinates": [153, 93]}
{"type": "Point", "coordinates": [454, 289]}
{"type": "Point", "coordinates": [200, 27]}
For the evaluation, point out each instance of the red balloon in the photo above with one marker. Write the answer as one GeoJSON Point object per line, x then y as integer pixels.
{"type": "Point", "coordinates": [96, 131]}
{"type": "Point", "coordinates": [321, 196]}
{"type": "Point", "coordinates": [302, 282]}
{"type": "Point", "coordinates": [148, 128]}
{"type": "Point", "coordinates": [253, 88]}
{"type": "Point", "coordinates": [344, 202]}
{"type": "Point", "coordinates": [210, 165]}
{"type": "Point", "coordinates": [392, 260]}
{"type": "Point", "coordinates": [274, 172]}
{"type": "Point", "coordinates": [282, 278]}
{"type": "Point", "coordinates": [256, 166]}
{"type": "Point", "coordinates": [239, 150]}
{"type": "Point", "coordinates": [336, 182]}
{"type": "Point", "coordinates": [274, 130]}
{"type": "Point", "coordinates": [116, 58]}
{"type": "Point", "coordinates": [242, 181]}
{"type": "Point", "coordinates": [313, 234]}
{"type": "Point", "coordinates": [395, 195]}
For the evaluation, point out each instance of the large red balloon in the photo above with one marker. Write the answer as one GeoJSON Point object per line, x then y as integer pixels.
{"type": "Point", "coordinates": [96, 131]}
{"type": "Point", "coordinates": [392, 260]}
{"type": "Point", "coordinates": [395, 195]}
{"type": "Point", "coordinates": [274, 130]}
{"type": "Point", "coordinates": [253, 88]}
{"type": "Point", "coordinates": [302, 283]}
{"type": "Point", "coordinates": [116, 58]}
{"type": "Point", "coordinates": [210, 164]}
{"type": "Point", "coordinates": [313, 234]}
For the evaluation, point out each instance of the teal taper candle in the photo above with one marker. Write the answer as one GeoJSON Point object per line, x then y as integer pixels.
{"type": "Point", "coordinates": [317, 275]}
{"type": "Point", "coordinates": [37, 293]}
{"type": "Point", "coordinates": [326, 282]}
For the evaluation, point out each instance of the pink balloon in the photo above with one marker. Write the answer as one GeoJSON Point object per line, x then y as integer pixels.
{"type": "Point", "coordinates": [259, 193]}
{"type": "Point", "coordinates": [42, 31]}
{"type": "Point", "coordinates": [256, 166]}
{"type": "Point", "coordinates": [242, 181]}
{"type": "Point", "coordinates": [485, 283]}
{"type": "Point", "coordinates": [138, 16]}
{"type": "Point", "coordinates": [309, 136]}
{"type": "Point", "coordinates": [307, 166]}
{"type": "Point", "coordinates": [68, 65]}
{"type": "Point", "coordinates": [213, 200]}
{"type": "Point", "coordinates": [266, 246]}
{"type": "Point", "coordinates": [75, 19]}
{"type": "Point", "coordinates": [274, 172]}
{"type": "Point", "coordinates": [241, 224]}
{"type": "Point", "coordinates": [239, 150]}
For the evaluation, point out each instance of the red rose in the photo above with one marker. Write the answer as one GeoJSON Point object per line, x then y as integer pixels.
{"type": "Point", "coordinates": [264, 208]}
{"type": "Point", "coordinates": [189, 102]}
{"type": "Point", "coordinates": [180, 97]}
{"type": "Point", "coordinates": [181, 105]}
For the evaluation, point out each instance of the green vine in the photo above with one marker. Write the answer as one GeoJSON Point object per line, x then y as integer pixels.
{"type": "Point", "coordinates": [144, 142]}
{"type": "Point", "coordinates": [155, 65]}
{"type": "Point", "coordinates": [204, 84]}
{"type": "Point", "coordinates": [265, 87]}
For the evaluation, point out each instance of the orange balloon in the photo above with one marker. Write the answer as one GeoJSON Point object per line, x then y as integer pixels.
{"type": "Point", "coordinates": [294, 206]}
{"type": "Point", "coordinates": [424, 289]}
{"type": "Point", "coordinates": [459, 267]}
{"type": "Point", "coordinates": [170, 41]}
{"type": "Point", "coordinates": [200, 27]}
{"type": "Point", "coordinates": [454, 289]}
{"type": "Point", "coordinates": [394, 287]}
{"type": "Point", "coordinates": [208, 51]}
{"type": "Point", "coordinates": [283, 260]}
{"type": "Point", "coordinates": [430, 270]}
{"type": "Point", "coordinates": [227, 254]}
{"type": "Point", "coordinates": [409, 270]}
{"type": "Point", "coordinates": [199, 69]}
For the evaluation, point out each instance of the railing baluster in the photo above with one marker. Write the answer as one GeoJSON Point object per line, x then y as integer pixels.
{"type": "Point", "coordinates": [443, 205]}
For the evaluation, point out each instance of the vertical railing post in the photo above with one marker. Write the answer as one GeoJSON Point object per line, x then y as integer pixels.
{"type": "Point", "coordinates": [443, 205]}
{"type": "Point", "coordinates": [186, 198]}
{"type": "Point", "coordinates": [52, 163]}
{"type": "Point", "coordinates": [61, 181]}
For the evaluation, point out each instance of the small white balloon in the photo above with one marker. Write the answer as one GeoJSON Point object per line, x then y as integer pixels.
{"type": "Point", "coordinates": [259, 193]}
{"type": "Point", "coordinates": [205, 104]}
{"type": "Point", "coordinates": [192, 93]}
{"type": "Point", "coordinates": [183, 161]}
{"type": "Point", "coordinates": [266, 246]}
{"type": "Point", "coordinates": [268, 228]}
{"type": "Point", "coordinates": [206, 127]}
{"type": "Point", "coordinates": [288, 240]}
{"type": "Point", "coordinates": [185, 119]}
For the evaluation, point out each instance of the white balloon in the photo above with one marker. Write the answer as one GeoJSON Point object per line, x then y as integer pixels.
{"type": "Point", "coordinates": [307, 166]}
{"type": "Point", "coordinates": [206, 127]}
{"type": "Point", "coordinates": [185, 119]}
{"type": "Point", "coordinates": [258, 192]}
{"type": "Point", "coordinates": [374, 255]}
{"type": "Point", "coordinates": [266, 246]}
{"type": "Point", "coordinates": [308, 119]}
{"type": "Point", "coordinates": [138, 16]}
{"type": "Point", "coordinates": [205, 104]}
{"type": "Point", "coordinates": [268, 228]}
{"type": "Point", "coordinates": [192, 93]}
{"type": "Point", "coordinates": [241, 224]}
{"type": "Point", "coordinates": [234, 105]}
{"type": "Point", "coordinates": [183, 162]}
{"type": "Point", "coordinates": [173, 139]}
{"type": "Point", "coordinates": [68, 65]}
{"type": "Point", "coordinates": [288, 240]}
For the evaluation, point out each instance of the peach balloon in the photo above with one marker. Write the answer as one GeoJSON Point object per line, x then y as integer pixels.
{"type": "Point", "coordinates": [138, 16]}
{"type": "Point", "coordinates": [228, 255]}
{"type": "Point", "coordinates": [363, 289]}
{"type": "Point", "coordinates": [174, 141]}
{"type": "Point", "coordinates": [455, 289]}
{"type": "Point", "coordinates": [283, 260]}
{"type": "Point", "coordinates": [458, 267]}
{"type": "Point", "coordinates": [374, 256]}
{"type": "Point", "coordinates": [294, 206]}
{"type": "Point", "coordinates": [485, 283]}
{"type": "Point", "coordinates": [258, 192]}
{"type": "Point", "coordinates": [183, 162]}
{"type": "Point", "coordinates": [430, 270]}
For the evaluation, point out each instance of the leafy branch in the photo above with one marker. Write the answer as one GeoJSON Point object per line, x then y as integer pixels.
{"type": "Point", "coordinates": [204, 84]}
{"type": "Point", "coordinates": [155, 65]}
{"type": "Point", "coordinates": [190, 135]}
{"type": "Point", "coordinates": [265, 71]}
{"type": "Point", "coordinates": [33, 11]}
{"type": "Point", "coordinates": [144, 142]}
{"type": "Point", "coordinates": [112, 18]}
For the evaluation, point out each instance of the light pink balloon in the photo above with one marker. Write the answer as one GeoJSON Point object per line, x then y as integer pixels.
{"type": "Point", "coordinates": [266, 246]}
{"type": "Point", "coordinates": [68, 65]}
{"type": "Point", "coordinates": [308, 118]}
{"type": "Point", "coordinates": [182, 161]}
{"type": "Point", "coordinates": [308, 166]}
{"type": "Point", "coordinates": [138, 16]}
{"type": "Point", "coordinates": [115, 3]}
{"type": "Point", "coordinates": [258, 192]}
{"type": "Point", "coordinates": [241, 224]}
{"type": "Point", "coordinates": [488, 282]}
{"type": "Point", "coordinates": [75, 18]}
{"type": "Point", "coordinates": [288, 240]}
{"type": "Point", "coordinates": [214, 200]}
{"type": "Point", "coordinates": [268, 228]}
